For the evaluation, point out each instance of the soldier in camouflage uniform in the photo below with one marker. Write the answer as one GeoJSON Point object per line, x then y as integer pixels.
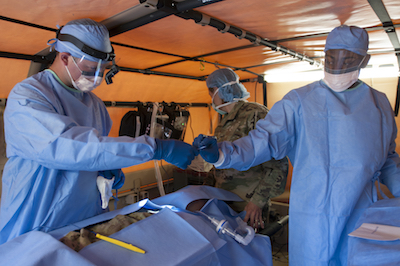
{"type": "Point", "coordinates": [260, 183]}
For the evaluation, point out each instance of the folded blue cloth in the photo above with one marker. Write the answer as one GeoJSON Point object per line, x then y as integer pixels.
{"type": "Point", "coordinates": [373, 252]}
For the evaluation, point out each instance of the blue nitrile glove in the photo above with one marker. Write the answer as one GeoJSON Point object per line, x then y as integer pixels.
{"type": "Point", "coordinates": [118, 174]}
{"type": "Point", "coordinates": [174, 152]}
{"type": "Point", "coordinates": [207, 147]}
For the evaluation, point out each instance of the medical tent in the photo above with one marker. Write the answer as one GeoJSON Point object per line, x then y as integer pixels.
{"type": "Point", "coordinates": [165, 50]}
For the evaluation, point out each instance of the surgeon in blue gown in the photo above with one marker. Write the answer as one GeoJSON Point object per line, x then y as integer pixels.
{"type": "Point", "coordinates": [339, 134]}
{"type": "Point", "coordinates": [56, 133]}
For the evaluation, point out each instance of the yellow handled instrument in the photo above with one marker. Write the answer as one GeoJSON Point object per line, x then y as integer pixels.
{"type": "Point", "coordinates": [120, 243]}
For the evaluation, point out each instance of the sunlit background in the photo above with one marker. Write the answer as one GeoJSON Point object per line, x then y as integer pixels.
{"type": "Point", "coordinates": [381, 66]}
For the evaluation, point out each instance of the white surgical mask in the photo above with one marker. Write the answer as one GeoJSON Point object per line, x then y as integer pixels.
{"type": "Point", "coordinates": [218, 110]}
{"type": "Point", "coordinates": [341, 82]}
{"type": "Point", "coordinates": [84, 84]}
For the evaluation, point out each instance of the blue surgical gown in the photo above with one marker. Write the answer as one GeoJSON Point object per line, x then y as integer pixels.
{"type": "Point", "coordinates": [338, 144]}
{"type": "Point", "coordinates": [56, 142]}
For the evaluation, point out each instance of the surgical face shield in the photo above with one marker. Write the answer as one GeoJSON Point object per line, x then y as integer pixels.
{"type": "Point", "coordinates": [91, 74]}
{"type": "Point", "coordinates": [339, 61]}
{"type": "Point", "coordinates": [92, 70]}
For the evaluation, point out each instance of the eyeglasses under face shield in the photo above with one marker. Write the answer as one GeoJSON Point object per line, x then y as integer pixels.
{"type": "Point", "coordinates": [91, 70]}
{"type": "Point", "coordinates": [339, 61]}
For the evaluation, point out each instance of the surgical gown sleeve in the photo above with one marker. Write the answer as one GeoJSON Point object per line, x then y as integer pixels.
{"type": "Point", "coordinates": [66, 130]}
{"type": "Point", "coordinates": [273, 137]}
{"type": "Point", "coordinates": [390, 172]}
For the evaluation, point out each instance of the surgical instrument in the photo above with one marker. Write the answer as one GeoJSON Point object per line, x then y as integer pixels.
{"type": "Point", "coordinates": [119, 243]}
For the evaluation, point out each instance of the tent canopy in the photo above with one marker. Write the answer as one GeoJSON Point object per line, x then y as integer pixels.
{"type": "Point", "coordinates": [185, 40]}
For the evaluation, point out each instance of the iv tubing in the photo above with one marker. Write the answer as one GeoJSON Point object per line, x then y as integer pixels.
{"type": "Point", "coordinates": [156, 165]}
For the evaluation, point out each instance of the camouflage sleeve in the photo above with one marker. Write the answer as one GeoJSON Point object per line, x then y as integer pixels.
{"type": "Point", "coordinates": [273, 180]}
{"type": "Point", "coordinates": [272, 183]}
{"type": "Point", "coordinates": [257, 115]}
{"type": "Point", "coordinates": [269, 177]}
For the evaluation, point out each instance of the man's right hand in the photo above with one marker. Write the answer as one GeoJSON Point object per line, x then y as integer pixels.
{"type": "Point", "coordinates": [207, 147]}
{"type": "Point", "coordinates": [175, 152]}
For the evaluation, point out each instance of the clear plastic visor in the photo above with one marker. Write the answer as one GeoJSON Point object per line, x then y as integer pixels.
{"type": "Point", "coordinates": [339, 61]}
{"type": "Point", "coordinates": [92, 70]}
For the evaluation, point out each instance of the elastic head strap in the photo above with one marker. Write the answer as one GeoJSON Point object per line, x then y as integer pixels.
{"type": "Point", "coordinates": [85, 48]}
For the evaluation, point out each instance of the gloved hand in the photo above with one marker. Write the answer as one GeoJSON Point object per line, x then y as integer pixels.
{"type": "Point", "coordinates": [117, 173]}
{"type": "Point", "coordinates": [207, 147]}
{"type": "Point", "coordinates": [175, 152]}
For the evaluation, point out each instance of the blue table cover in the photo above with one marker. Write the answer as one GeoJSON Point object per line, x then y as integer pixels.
{"type": "Point", "coordinates": [173, 236]}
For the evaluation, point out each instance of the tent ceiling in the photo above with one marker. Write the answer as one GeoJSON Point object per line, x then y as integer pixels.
{"type": "Point", "coordinates": [299, 25]}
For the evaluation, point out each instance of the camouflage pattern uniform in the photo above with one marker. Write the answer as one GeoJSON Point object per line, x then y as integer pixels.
{"type": "Point", "coordinates": [259, 183]}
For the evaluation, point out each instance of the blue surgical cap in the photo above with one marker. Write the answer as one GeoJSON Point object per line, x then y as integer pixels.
{"type": "Point", "coordinates": [229, 92]}
{"type": "Point", "coordinates": [350, 38]}
{"type": "Point", "coordinates": [90, 32]}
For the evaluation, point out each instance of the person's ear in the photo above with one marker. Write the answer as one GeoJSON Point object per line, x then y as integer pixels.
{"type": "Point", "coordinates": [64, 58]}
{"type": "Point", "coordinates": [365, 61]}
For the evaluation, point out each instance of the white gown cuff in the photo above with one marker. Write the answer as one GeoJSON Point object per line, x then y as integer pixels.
{"type": "Point", "coordinates": [221, 159]}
